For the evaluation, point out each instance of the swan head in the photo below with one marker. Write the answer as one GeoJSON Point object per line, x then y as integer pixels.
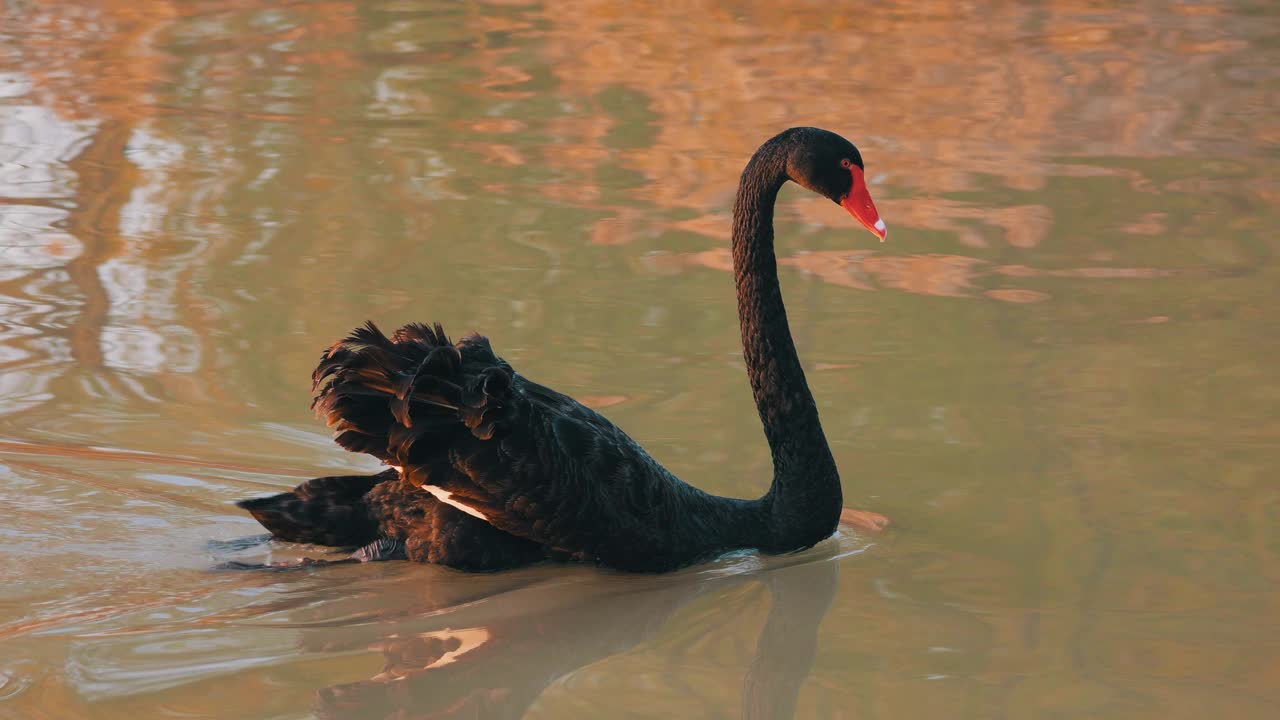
{"type": "Point", "coordinates": [831, 166]}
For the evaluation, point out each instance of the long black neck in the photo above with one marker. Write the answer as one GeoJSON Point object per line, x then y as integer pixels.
{"type": "Point", "coordinates": [803, 503]}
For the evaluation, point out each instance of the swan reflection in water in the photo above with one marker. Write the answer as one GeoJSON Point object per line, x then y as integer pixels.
{"type": "Point", "coordinates": [407, 641]}
{"type": "Point", "coordinates": [499, 668]}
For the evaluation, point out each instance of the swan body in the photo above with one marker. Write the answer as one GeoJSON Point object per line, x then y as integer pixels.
{"type": "Point", "coordinates": [491, 470]}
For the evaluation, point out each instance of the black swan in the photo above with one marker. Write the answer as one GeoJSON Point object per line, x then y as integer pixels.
{"type": "Point", "coordinates": [490, 470]}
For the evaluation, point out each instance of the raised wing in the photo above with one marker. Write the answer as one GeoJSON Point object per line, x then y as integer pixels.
{"type": "Point", "coordinates": [526, 459]}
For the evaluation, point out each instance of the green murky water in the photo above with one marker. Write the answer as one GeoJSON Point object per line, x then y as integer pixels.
{"type": "Point", "coordinates": [1058, 378]}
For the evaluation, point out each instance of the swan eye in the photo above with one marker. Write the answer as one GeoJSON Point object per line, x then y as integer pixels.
{"type": "Point", "coordinates": [847, 164]}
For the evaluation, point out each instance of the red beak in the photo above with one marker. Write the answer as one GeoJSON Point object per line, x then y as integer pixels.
{"type": "Point", "coordinates": [858, 203]}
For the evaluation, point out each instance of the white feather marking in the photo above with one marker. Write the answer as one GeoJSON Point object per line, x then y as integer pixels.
{"type": "Point", "coordinates": [880, 225]}
{"type": "Point", "coordinates": [446, 497]}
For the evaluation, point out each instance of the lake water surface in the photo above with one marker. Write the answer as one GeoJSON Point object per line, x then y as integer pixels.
{"type": "Point", "coordinates": [1058, 377]}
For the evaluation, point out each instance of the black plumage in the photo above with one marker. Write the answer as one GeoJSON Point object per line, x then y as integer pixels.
{"type": "Point", "coordinates": [494, 470]}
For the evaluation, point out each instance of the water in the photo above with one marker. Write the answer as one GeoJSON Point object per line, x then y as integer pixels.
{"type": "Point", "coordinates": [1058, 377]}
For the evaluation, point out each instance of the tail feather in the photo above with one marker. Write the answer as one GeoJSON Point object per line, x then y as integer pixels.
{"type": "Point", "coordinates": [324, 511]}
{"type": "Point", "coordinates": [386, 396]}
